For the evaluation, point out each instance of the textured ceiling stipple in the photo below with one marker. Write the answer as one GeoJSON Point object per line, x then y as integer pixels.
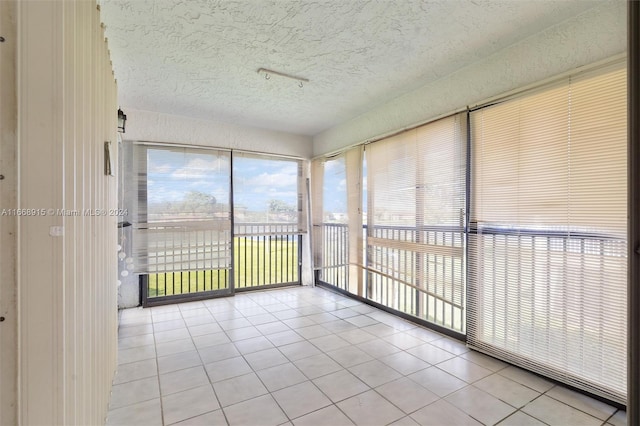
{"type": "Point", "coordinates": [199, 58]}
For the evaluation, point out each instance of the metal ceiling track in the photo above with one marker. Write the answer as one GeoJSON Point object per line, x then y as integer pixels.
{"type": "Point", "coordinates": [267, 73]}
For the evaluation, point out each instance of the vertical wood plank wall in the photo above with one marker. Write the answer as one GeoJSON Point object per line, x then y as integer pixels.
{"type": "Point", "coordinates": [67, 292]}
{"type": "Point", "coordinates": [8, 224]}
{"type": "Point", "coordinates": [633, 304]}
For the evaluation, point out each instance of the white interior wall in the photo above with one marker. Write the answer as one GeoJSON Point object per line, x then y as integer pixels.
{"type": "Point", "coordinates": [8, 224]}
{"type": "Point", "coordinates": [595, 35]}
{"type": "Point", "coordinates": [159, 127]}
{"type": "Point", "coordinates": [67, 325]}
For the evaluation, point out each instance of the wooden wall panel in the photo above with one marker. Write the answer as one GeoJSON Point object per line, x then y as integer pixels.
{"type": "Point", "coordinates": [8, 223]}
{"type": "Point", "coordinates": [67, 258]}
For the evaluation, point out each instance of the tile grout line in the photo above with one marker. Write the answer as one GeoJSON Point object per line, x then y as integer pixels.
{"type": "Point", "coordinates": [308, 379]}
{"type": "Point", "coordinates": [155, 350]}
{"type": "Point", "coordinates": [261, 381]}
{"type": "Point", "coordinates": [206, 374]}
{"type": "Point", "coordinates": [575, 408]}
{"type": "Point", "coordinates": [302, 313]}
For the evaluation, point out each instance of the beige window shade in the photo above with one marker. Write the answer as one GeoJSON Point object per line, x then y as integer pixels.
{"type": "Point", "coordinates": [268, 195]}
{"type": "Point", "coordinates": [415, 226]}
{"type": "Point", "coordinates": [417, 177]}
{"type": "Point", "coordinates": [391, 180]}
{"type": "Point", "coordinates": [182, 218]}
{"type": "Point", "coordinates": [547, 266]}
{"type": "Point", "coordinates": [523, 175]}
{"type": "Point", "coordinates": [354, 162]}
{"type": "Point", "coordinates": [317, 213]}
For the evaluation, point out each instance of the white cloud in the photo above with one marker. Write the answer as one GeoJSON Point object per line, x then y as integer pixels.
{"type": "Point", "coordinates": [273, 180]}
{"type": "Point", "coordinates": [202, 167]}
{"type": "Point", "coordinates": [163, 168]}
{"type": "Point", "coordinates": [342, 185]}
{"type": "Point", "coordinates": [336, 165]}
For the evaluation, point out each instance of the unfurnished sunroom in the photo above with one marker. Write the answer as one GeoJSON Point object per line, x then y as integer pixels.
{"type": "Point", "coordinates": [320, 212]}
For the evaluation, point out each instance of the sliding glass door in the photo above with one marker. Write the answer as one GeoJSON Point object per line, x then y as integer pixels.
{"type": "Point", "coordinates": [269, 220]}
{"type": "Point", "coordinates": [182, 226]}
{"type": "Point", "coordinates": [209, 222]}
{"type": "Point", "coordinates": [407, 193]}
{"type": "Point", "coordinates": [511, 233]}
{"type": "Point", "coordinates": [548, 266]}
{"type": "Point", "coordinates": [416, 222]}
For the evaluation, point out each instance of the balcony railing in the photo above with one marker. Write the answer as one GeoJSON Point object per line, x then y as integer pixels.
{"type": "Point", "coordinates": [420, 271]}
{"type": "Point", "coordinates": [528, 285]}
{"type": "Point", "coordinates": [416, 271]}
{"type": "Point", "coordinates": [334, 268]}
{"type": "Point", "coordinates": [264, 254]}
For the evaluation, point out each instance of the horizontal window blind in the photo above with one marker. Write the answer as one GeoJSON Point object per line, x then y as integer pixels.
{"type": "Point", "coordinates": [415, 226]}
{"type": "Point", "coordinates": [317, 215]}
{"type": "Point", "coordinates": [547, 265]}
{"type": "Point", "coordinates": [268, 194]}
{"type": "Point", "coordinates": [182, 218]}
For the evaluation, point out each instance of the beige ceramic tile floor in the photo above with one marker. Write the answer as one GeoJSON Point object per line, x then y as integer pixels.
{"type": "Point", "coordinates": [308, 356]}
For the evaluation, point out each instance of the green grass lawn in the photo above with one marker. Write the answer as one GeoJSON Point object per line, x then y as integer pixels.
{"type": "Point", "coordinates": [174, 283]}
{"type": "Point", "coordinates": [257, 262]}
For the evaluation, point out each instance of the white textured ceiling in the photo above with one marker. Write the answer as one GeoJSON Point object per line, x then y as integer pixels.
{"type": "Point", "coordinates": [198, 58]}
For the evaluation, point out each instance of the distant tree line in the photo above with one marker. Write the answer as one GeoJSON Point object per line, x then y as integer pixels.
{"type": "Point", "coordinates": [201, 204]}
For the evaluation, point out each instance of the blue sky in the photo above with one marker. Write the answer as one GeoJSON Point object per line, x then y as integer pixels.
{"type": "Point", "coordinates": [174, 173]}
{"type": "Point", "coordinates": [258, 180]}
{"type": "Point", "coordinates": [335, 186]}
